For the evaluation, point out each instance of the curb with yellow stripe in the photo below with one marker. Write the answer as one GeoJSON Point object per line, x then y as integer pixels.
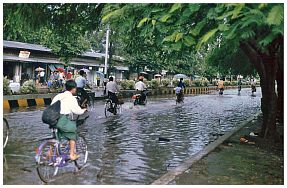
{"type": "Point", "coordinates": [8, 104]}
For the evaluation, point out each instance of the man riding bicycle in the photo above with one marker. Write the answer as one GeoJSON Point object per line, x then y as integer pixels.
{"type": "Point", "coordinates": [220, 86]}
{"type": "Point", "coordinates": [66, 127]}
{"type": "Point", "coordinates": [140, 87]}
{"type": "Point", "coordinates": [112, 89]}
{"type": "Point", "coordinates": [81, 83]}
{"type": "Point", "coordinates": [179, 89]}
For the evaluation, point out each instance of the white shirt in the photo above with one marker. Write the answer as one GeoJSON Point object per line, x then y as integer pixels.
{"type": "Point", "coordinates": [42, 74]}
{"type": "Point", "coordinates": [140, 86]}
{"type": "Point", "coordinates": [81, 81]}
{"type": "Point", "coordinates": [69, 103]}
{"type": "Point", "coordinates": [112, 87]}
{"type": "Point", "coordinates": [61, 76]}
{"type": "Point", "coordinates": [253, 83]}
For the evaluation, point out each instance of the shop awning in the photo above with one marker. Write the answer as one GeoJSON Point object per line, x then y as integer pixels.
{"type": "Point", "coordinates": [52, 68]}
{"type": "Point", "coordinates": [122, 68]}
{"type": "Point", "coordinates": [59, 66]}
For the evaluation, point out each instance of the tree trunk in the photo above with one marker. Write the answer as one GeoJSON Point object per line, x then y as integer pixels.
{"type": "Point", "coordinates": [269, 99]}
{"type": "Point", "coordinates": [280, 93]}
{"type": "Point", "coordinates": [266, 67]}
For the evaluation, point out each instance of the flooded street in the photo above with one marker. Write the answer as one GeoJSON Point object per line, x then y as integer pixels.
{"type": "Point", "coordinates": [125, 149]}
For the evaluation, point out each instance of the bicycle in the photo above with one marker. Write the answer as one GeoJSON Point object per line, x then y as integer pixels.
{"type": "Point", "coordinates": [5, 132]}
{"type": "Point", "coordinates": [53, 153]}
{"type": "Point", "coordinates": [253, 90]}
{"type": "Point", "coordinates": [85, 102]}
{"type": "Point", "coordinates": [179, 97]}
{"type": "Point", "coordinates": [110, 108]}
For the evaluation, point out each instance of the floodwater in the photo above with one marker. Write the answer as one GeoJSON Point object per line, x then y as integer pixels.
{"type": "Point", "coordinates": [125, 149]}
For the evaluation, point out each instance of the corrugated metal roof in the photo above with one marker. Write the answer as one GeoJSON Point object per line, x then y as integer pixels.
{"type": "Point", "coordinates": [36, 47]}
{"type": "Point", "coordinates": [26, 46]}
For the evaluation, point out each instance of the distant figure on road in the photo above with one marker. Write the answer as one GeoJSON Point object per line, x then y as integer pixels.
{"type": "Point", "coordinates": [98, 81]}
{"type": "Point", "coordinates": [220, 86]}
{"type": "Point", "coordinates": [253, 85]}
{"type": "Point", "coordinates": [181, 84]}
{"type": "Point", "coordinates": [239, 83]}
{"type": "Point", "coordinates": [179, 89]}
{"type": "Point", "coordinates": [81, 84]}
{"type": "Point", "coordinates": [140, 87]}
{"type": "Point", "coordinates": [113, 88]}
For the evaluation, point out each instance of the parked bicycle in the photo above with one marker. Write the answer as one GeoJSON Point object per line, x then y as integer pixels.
{"type": "Point", "coordinates": [53, 153]}
{"type": "Point", "coordinates": [5, 132]}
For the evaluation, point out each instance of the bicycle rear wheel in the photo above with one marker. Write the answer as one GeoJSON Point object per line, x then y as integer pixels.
{"type": "Point", "coordinates": [108, 106]}
{"type": "Point", "coordinates": [45, 159]}
{"type": "Point", "coordinates": [5, 132]}
{"type": "Point", "coordinates": [82, 150]}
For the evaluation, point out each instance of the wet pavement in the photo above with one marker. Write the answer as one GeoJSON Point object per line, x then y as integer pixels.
{"type": "Point", "coordinates": [125, 149]}
{"type": "Point", "coordinates": [257, 162]}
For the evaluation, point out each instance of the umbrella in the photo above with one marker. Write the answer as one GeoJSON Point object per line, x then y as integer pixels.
{"type": "Point", "coordinates": [157, 75]}
{"type": "Point", "coordinates": [100, 73]}
{"type": "Point", "coordinates": [39, 69]}
{"type": "Point", "coordinates": [85, 70]}
{"type": "Point", "coordinates": [177, 76]}
{"type": "Point", "coordinates": [60, 69]}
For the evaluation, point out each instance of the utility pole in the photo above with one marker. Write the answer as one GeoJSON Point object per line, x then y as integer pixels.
{"type": "Point", "coordinates": [106, 58]}
{"type": "Point", "coordinates": [107, 51]}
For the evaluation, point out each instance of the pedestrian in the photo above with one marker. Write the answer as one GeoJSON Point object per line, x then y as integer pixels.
{"type": "Point", "coordinates": [69, 75]}
{"type": "Point", "coordinates": [98, 81]}
{"type": "Point", "coordinates": [42, 77]}
{"type": "Point", "coordinates": [239, 83]}
{"type": "Point", "coordinates": [61, 78]}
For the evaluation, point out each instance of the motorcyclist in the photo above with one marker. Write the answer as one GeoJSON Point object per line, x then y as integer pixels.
{"type": "Point", "coordinates": [140, 87]}
{"type": "Point", "coordinates": [112, 89]}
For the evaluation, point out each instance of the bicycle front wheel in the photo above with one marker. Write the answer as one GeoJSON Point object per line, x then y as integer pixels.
{"type": "Point", "coordinates": [82, 150]}
{"type": "Point", "coordinates": [45, 160]}
{"type": "Point", "coordinates": [5, 132]}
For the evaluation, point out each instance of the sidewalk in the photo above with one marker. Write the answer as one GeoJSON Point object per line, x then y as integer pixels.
{"type": "Point", "coordinates": [256, 162]}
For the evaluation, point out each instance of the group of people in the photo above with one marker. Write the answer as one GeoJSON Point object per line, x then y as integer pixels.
{"type": "Point", "coordinates": [253, 82]}
{"type": "Point", "coordinates": [67, 128]}
{"type": "Point", "coordinates": [58, 78]}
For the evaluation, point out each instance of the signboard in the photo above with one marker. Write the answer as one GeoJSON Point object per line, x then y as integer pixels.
{"type": "Point", "coordinates": [24, 54]}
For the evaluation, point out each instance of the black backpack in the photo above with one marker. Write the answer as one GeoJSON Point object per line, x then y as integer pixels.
{"type": "Point", "coordinates": [51, 114]}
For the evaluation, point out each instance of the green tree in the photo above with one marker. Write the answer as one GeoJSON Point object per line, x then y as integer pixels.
{"type": "Point", "coordinates": [255, 29]}
{"type": "Point", "coordinates": [61, 27]}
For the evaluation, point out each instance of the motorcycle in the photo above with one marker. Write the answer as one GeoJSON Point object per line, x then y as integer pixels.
{"type": "Point", "coordinates": [138, 98]}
